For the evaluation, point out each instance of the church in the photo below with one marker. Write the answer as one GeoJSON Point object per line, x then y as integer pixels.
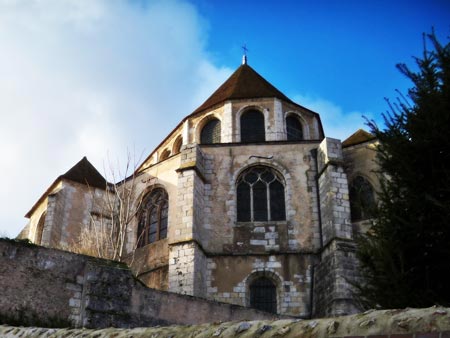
{"type": "Point", "coordinates": [245, 202]}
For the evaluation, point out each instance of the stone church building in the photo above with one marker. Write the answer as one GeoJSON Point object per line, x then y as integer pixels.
{"type": "Point", "coordinates": [245, 201]}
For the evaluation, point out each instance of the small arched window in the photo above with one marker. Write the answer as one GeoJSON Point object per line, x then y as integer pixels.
{"type": "Point", "coordinates": [263, 295]}
{"type": "Point", "coordinates": [362, 199]}
{"type": "Point", "coordinates": [252, 126]}
{"type": "Point", "coordinates": [211, 132]}
{"type": "Point", "coordinates": [40, 229]}
{"type": "Point", "coordinates": [153, 217]}
{"type": "Point", "coordinates": [260, 195]}
{"type": "Point", "coordinates": [165, 154]}
{"type": "Point", "coordinates": [294, 129]}
{"type": "Point", "coordinates": [177, 145]}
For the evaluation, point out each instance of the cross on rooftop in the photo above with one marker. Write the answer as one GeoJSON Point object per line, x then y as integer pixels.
{"type": "Point", "coordinates": [244, 57]}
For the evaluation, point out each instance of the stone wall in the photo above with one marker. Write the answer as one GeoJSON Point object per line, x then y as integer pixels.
{"type": "Point", "coordinates": [432, 322]}
{"type": "Point", "coordinates": [337, 267]}
{"type": "Point", "coordinates": [41, 283]}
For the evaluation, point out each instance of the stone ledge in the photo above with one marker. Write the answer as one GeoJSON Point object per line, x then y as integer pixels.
{"type": "Point", "coordinates": [433, 322]}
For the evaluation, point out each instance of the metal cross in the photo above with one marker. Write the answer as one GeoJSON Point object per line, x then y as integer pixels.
{"type": "Point", "coordinates": [245, 49]}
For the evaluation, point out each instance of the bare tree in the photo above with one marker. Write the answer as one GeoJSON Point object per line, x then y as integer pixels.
{"type": "Point", "coordinates": [113, 213]}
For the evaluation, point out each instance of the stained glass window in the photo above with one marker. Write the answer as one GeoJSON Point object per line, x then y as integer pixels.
{"type": "Point", "coordinates": [252, 127]}
{"type": "Point", "coordinates": [211, 132]}
{"type": "Point", "coordinates": [260, 195]}
{"type": "Point", "coordinates": [294, 128]}
{"type": "Point", "coordinates": [153, 217]}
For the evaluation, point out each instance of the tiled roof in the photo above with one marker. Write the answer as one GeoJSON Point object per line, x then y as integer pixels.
{"type": "Point", "coordinates": [358, 137]}
{"type": "Point", "coordinates": [84, 172]}
{"type": "Point", "coordinates": [244, 83]}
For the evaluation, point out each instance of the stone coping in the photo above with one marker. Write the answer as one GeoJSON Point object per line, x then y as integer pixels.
{"type": "Point", "coordinates": [433, 322]}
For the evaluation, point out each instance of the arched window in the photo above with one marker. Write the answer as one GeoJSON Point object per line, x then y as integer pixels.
{"type": "Point", "coordinates": [260, 195]}
{"type": "Point", "coordinates": [252, 127]}
{"type": "Point", "coordinates": [294, 129]}
{"type": "Point", "coordinates": [153, 217]}
{"type": "Point", "coordinates": [211, 132]}
{"type": "Point", "coordinates": [362, 200]}
{"type": "Point", "coordinates": [165, 154]}
{"type": "Point", "coordinates": [177, 145]}
{"type": "Point", "coordinates": [263, 295]}
{"type": "Point", "coordinates": [40, 229]}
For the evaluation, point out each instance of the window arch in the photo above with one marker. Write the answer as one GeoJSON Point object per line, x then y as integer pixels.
{"type": "Point", "coordinates": [165, 154]}
{"type": "Point", "coordinates": [40, 229]}
{"type": "Point", "coordinates": [211, 132]}
{"type": "Point", "coordinates": [260, 195]}
{"type": "Point", "coordinates": [294, 128]}
{"type": "Point", "coordinates": [177, 145]}
{"type": "Point", "coordinates": [252, 126]}
{"type": "Point", "coordinates": [153, 217]}
{"type": "Point", "coordinates": [362, 199]}
{"type": "Point", "coordinates": [263, 295]}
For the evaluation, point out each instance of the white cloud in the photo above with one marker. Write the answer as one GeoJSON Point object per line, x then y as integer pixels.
{"type": "Point", "coordinates": [91, 77]}
{"type": "Point", "coordinates": [336, 122]}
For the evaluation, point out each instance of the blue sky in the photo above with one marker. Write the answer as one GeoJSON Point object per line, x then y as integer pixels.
{"type": "Point", "coordinates": [97, 77]}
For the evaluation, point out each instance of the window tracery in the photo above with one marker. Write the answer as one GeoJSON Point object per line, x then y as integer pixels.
{"type": "Point", "coordinates": [260, 195]}
{"type": "Point", "coordinates": [153, 218]}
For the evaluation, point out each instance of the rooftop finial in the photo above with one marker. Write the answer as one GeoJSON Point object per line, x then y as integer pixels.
{"type": "Point", "coordinates": [244, 57]}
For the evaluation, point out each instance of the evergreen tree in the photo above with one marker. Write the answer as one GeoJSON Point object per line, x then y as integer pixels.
{"type": "Point", "coordinates": [405, 257]}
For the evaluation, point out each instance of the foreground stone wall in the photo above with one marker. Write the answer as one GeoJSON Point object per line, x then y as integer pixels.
{"type": "Point", "coordinates": [433, 322]}
{"type": "Point", "coordinates": [38, 283]}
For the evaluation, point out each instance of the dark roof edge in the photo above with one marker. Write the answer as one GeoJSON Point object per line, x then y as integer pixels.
{"type": "Point", "coordinates": [357, 143]}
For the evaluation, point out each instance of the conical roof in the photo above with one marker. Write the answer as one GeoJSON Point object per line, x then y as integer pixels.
{"type": "Point", "coordinates": [84, 172]}
{"type": "Point", "coordinates": [244, 83]}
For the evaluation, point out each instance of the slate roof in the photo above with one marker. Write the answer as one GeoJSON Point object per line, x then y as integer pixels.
{"type": "Point", "coordinates": [244, 83]}
{"type": "Point", "coordinates": [360, 136]}
{"type": "Point", "coordinates": [84, 172]}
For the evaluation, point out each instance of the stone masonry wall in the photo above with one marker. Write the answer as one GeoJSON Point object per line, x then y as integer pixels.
{"type": "Point", "coordinates": [334, 193]}
{"type": "Point", "coordinates": [187, 262]}
{"type": "Point", "coordinates": [333, 276]}
{"type": "Point", "coordinates": [432, 322]}
{"type": "Point", "coordinates": [39, 282]}
{"type": "Point", "coordinates": [338, 264]}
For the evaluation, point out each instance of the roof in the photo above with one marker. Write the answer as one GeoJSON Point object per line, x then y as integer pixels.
{"type": "Point", "coordinates": [360, 136]}
{"type": "Point", "coordinates": [244, 83]}
{"type": "Point", "coordinates": [83, 172]}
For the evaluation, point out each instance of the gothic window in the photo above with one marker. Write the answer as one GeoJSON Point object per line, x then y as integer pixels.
{"type": "Point", "coordinates": [40, 229]}
{"type": "Point", "coordinates": [260, 195]}
{"type": "Point", "coordinates": [153, 217]}
{"type": "Point", "coordinates": [177, 145]}
{"type": "Point", "coordinates": [211, 132]}
{"type": "Point", "coordinates": [294, 128]}
{"type": "Point", "coordinates": [165, 154]}
{"type": "Point", "coordinates": [362, 200]}
{"type": "Point", "coordinates": [252, 127]}
{"type": "Point", "coordinates": [263, 295]}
